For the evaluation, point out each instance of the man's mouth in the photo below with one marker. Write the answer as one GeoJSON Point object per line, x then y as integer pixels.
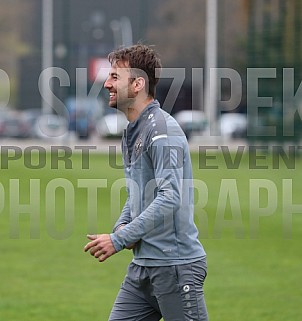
{"type": "Point", "coordinates": [112, 96]}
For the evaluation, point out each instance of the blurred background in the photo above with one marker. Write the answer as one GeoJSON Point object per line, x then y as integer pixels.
{"type": "Point", "coordinates": [243, 213]}
{"type": "Point", "coordinates": [235, 34]}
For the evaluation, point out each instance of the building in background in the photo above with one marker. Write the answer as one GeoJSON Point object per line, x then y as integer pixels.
{"type": "Point", "coordinates": [83, 33]}
{"type": "Point", "coordinates": [251, 33]}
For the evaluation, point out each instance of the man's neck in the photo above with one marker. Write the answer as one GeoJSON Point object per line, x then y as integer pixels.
{"type": "Point", "coordinates": [134, 111]}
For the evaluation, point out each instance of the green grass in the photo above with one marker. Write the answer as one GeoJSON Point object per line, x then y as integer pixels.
{"type": "Point", "coordinates": [254, 267]}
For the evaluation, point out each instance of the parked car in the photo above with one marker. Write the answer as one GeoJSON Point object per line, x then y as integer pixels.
{"type": "Point", "coordinates": [13, 124]}
{"type": "Point", "coordinates": [233, 125]}
{"type": "Point", "coordinates": [51, 126]}
{"type": "Point", "coordinates": [191, 121]}
{"type": "Point", "coordinates": [112, 124]}
{"type": "Point", "coordinates": [31, 116]}
{"type": "Point", "coordinates": [83, 115]}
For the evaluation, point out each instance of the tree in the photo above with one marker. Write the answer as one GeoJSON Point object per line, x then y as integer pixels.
{"type": "Point", "coordinates": [179, 32]}
{"type": "Point", "coordinates": [274, 42]}
{"type": "Point", "coordinates": [14, 17]}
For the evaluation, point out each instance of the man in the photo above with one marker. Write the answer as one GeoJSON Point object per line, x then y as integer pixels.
{"type": "Point", "coordinates": [165, 278]}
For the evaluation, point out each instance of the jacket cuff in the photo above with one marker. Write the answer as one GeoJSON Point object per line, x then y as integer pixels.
{"type": "Point", "coordinates": [117, 245]}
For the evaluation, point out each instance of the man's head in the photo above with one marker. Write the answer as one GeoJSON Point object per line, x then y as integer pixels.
{"type": "Point", "coordinates": [142, 61]}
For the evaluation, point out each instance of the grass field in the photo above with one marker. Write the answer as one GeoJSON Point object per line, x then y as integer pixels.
{"type": "Point", "coordinates": [243, 214]}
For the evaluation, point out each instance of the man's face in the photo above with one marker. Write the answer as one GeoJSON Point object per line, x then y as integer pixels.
{"type": "Point", "coordinates": [120, 86]}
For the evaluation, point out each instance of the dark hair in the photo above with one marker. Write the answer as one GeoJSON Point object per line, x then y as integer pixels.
{"type": "Point", "coordinates": [141, 58]}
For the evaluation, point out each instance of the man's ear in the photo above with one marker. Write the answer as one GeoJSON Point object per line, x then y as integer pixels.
{"type": "Point", "coordinates": [139, 84]}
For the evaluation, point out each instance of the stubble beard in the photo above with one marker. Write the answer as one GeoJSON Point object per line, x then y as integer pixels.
{"type": "Point", "coordinates": [123, 103]}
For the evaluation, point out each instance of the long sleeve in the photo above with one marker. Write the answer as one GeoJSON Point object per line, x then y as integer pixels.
{"type": "Point", "coordinates": [125, 217]}
{"type": "Point", "coordinates": [167, 163]}
{"type": "Point", "coordinates": [159, 211]}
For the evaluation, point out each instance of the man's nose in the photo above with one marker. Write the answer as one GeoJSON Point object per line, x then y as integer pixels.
{"type": "Point", "coordinates": [107, 84]}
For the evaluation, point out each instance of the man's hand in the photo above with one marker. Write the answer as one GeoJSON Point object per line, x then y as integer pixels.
{"type": "Point", "coordinates": [101, 246]}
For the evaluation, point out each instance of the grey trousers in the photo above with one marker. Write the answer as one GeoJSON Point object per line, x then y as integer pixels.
{"type": "Point", "coordinates": [174, 293]}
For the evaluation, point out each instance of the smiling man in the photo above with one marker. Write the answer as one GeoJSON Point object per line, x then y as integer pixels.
{"type": "Point", "coordinates": [167, 273]}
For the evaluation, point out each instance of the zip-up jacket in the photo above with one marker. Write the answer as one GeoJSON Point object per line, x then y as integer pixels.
{"type": "Point", "coordinates": [158, 213]}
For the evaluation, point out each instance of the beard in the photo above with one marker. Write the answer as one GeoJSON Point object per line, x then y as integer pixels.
{"type": "Point", "coordinates": [123, 100]}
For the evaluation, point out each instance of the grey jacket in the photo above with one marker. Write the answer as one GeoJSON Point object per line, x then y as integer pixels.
{"type": "Point", "coordinates": [159, 210]}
